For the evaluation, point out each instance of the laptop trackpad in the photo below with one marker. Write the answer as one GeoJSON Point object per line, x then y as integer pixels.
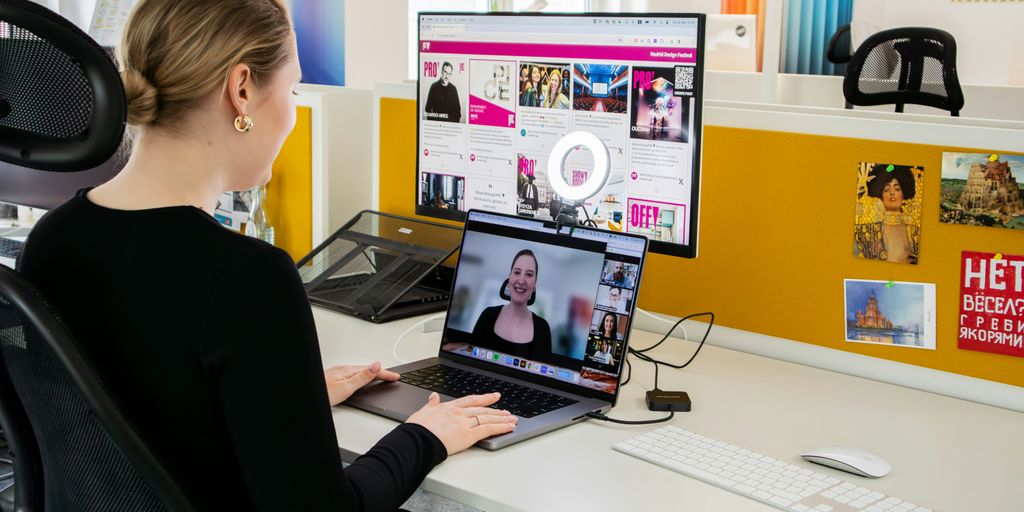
{"type": "Point", "coordinates": [392, 399]}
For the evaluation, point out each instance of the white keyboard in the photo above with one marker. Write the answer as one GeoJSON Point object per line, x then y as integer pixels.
{"type": "Point", "coordinates": [774, 482]}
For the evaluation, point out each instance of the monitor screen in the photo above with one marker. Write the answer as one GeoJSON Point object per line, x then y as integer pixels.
{"type": "Point", "coordinates": [497, 91]}
{"type": "Point", "coordinates": [553, 305]}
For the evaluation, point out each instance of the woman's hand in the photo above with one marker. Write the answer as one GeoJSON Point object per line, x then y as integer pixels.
{"type": "Point", "coordinates": [462, 422]}
{"type": "Point", "coordinates": [342, 381]}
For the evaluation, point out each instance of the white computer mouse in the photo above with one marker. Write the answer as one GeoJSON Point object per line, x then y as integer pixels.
{"type": "Point", "coordinates": [850, 460]}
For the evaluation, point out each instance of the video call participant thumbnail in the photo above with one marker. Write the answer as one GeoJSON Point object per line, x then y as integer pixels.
{"type": "Point", "coordinates": [608, 325]}
{"type": "Point", "coordinates": [443, 98]}
{"type": "Point", "coordinates": [619, 274]}
{"type": "Point", "coordinates": [604, 351]}
{"type": "Point", "coordinates": [512, 328]}
{"type": "Point", "coordinates": [614, 298]}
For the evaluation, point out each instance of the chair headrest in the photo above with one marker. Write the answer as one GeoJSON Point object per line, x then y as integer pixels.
{"type": "Point", "coordinates": [62, 103]}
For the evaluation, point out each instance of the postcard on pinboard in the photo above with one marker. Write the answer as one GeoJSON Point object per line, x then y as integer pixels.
{"type": "Point", "coordinates": [991, 303]}
{"type": "Point", "coordinates": [887, 226]}
{"type": "Point", "coordinates": [983, 189]}
{"type": "Point", "coordinates": [890, 313]}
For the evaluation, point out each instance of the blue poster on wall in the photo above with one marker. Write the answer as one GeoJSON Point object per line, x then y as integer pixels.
{"type": "Point", "coordinates": [320, 36]}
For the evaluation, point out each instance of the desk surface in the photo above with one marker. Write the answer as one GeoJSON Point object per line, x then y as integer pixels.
{"type": "Point", "coordinates": [947, 454]}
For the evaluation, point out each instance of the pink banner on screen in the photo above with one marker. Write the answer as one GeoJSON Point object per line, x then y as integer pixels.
{"type": "Point", "coordinates": [564, 51]}
{"type": "Point", "coordinates": [483, 112]}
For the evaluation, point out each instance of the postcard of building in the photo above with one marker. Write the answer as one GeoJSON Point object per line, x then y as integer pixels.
{"type": "Point", "coordinates": [890, 313]}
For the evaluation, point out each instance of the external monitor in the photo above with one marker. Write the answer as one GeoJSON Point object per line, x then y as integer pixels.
{"type": "Point", "coordinates": [497, 91]}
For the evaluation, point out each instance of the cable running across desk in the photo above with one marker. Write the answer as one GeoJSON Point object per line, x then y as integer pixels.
{"type": "Point", "coordinates": [641, 353]}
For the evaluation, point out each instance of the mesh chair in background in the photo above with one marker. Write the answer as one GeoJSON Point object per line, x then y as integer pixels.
{"type": "Point", "coordinates": [905, 65]}
{"type": "Point", "coordinates": [840, 46]}
{"type": "Point", "coordinates": [62, 108]}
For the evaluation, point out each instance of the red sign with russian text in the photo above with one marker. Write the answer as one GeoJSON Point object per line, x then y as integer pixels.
{"type": "Point", "coordinates": [991, 303]}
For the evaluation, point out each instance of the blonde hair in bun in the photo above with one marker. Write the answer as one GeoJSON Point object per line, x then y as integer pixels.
{"type": "Point", "coordinates": [175, 53]}
{"type": "Point", "coordinates": [142, 98]}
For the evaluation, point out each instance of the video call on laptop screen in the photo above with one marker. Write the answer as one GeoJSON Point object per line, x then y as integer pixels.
{"type": "Point", "coordinates": [550, 304]}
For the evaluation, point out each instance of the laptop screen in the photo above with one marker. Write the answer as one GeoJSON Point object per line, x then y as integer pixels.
{"type": "Point", "coordinates": [554, 305]}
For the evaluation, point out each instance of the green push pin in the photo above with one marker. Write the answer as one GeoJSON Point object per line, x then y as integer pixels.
{"type": "Point", "coordinates": [890, 284]}
{"type": "Point", "coordinates": [890, 168]}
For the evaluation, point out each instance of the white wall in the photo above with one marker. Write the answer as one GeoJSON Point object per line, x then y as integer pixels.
{"type": "Point", "coordinates": [376, 42]}
{"type": "Point", "coordinates": [988, 34]}
{"type": "Point", "coordinates": [704, 6]}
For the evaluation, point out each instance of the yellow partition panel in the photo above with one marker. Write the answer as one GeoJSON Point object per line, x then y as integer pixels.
{"type": "Point", "coordinates": [776, 239]}
{"type": "Point", "coordinates": [290, 191]}
{"type": "Point", "coordinates": [398, 159]}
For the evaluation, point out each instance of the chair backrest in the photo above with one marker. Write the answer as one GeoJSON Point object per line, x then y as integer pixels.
{"type": "Point", "coordinates": [62, 103]}
{"type": "Point", "coordinates": [74, 449]}
{"type": "Point", "coordinates": [905, 65]}
{"type": "Point", "coordinates": [840, 46]}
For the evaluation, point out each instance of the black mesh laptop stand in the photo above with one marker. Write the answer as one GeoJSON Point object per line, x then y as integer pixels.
{"type": "Point", "coordinates": [382, 267]}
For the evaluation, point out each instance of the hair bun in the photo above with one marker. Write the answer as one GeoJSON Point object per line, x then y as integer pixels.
{"type": "Point", "coordinates": [142, 96]}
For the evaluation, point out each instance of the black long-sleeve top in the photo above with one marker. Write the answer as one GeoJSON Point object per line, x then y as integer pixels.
{"type": "Point", "coordinates": [538, 349]}
{"type": "Point", "coordinates": [206, 339]}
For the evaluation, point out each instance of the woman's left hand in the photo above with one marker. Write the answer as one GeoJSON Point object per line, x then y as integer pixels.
{"type": "Point", "coordinates": [344, 380]}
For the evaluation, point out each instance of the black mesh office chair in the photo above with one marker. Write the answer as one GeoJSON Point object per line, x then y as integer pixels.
{"type": "Point", "coordinates": [839, 46]}
{"type": "Point", "coordinates": [62, 103]}
{"type": "Point", "coordinates": [905, 65]}
{"type": "Point", "coordinates": [67, 433]}
{"type": "Point", "coordinates": [62, 108]}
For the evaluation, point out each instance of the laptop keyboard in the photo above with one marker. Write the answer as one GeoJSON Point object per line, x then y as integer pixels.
{"type": "Point", "coordinates": [520, 400]}
{"type": "Point", "coordinates": [10, 248]}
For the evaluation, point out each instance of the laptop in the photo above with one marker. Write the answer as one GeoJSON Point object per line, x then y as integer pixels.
{"type": "Point", "coordinates": [539, 315]}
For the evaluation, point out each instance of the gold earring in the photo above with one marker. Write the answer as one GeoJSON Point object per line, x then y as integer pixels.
{"type": "Point", "coordinates": [243, 123]}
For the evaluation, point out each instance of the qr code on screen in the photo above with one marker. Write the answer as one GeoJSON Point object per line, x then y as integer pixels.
{"type": "Point", "coordinates": [684, 81]}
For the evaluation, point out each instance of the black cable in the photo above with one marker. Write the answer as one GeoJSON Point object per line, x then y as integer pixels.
{"type": "Point", "coordinates": [588, 222]}
{"type": "Point", "coordinates": [602, 417]}
{"type": "Point", "coordinates": [642, 352]}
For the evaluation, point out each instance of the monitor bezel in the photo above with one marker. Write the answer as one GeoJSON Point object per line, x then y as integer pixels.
{"type": "Point", "coordinates": [537, 379]}
{"type": "Point", "coordinates": [671, 249]}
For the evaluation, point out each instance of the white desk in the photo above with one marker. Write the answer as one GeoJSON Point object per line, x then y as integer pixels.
{"type": "Point", "coordinates": [947, 454]}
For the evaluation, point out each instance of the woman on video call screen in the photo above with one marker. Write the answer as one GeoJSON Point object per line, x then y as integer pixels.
{"type": "Point", "coordinates": [512, 328]}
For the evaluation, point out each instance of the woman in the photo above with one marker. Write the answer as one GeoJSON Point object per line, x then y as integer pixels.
{"type": "Point", "coordinates": [205, 337]}
{"type": "Point", "coordinates": [512, 328]}
{"type": "Point", "coordinates": [887, 228]}
{"type": "Point", "coordinates": [532, 94]}
{"type": "Point", "coordinates": [604, 353]}
{"type": "Point", "coordinates": [609, 327]}
{"type": "Point", "coordinates": [554, 97]}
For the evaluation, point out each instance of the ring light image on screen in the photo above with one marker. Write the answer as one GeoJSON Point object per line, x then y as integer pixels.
{"type": "Point", "coordinates": [497, 91]}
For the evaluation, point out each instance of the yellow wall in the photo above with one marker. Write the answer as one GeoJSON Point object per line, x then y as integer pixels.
{"type": "Point", "coordinates": [776, 239]}
{"type": "Point", "coordinates": [290, 191]}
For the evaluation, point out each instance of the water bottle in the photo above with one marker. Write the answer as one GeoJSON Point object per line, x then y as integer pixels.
{"type": "Point", "coordinates": [258, 225]}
